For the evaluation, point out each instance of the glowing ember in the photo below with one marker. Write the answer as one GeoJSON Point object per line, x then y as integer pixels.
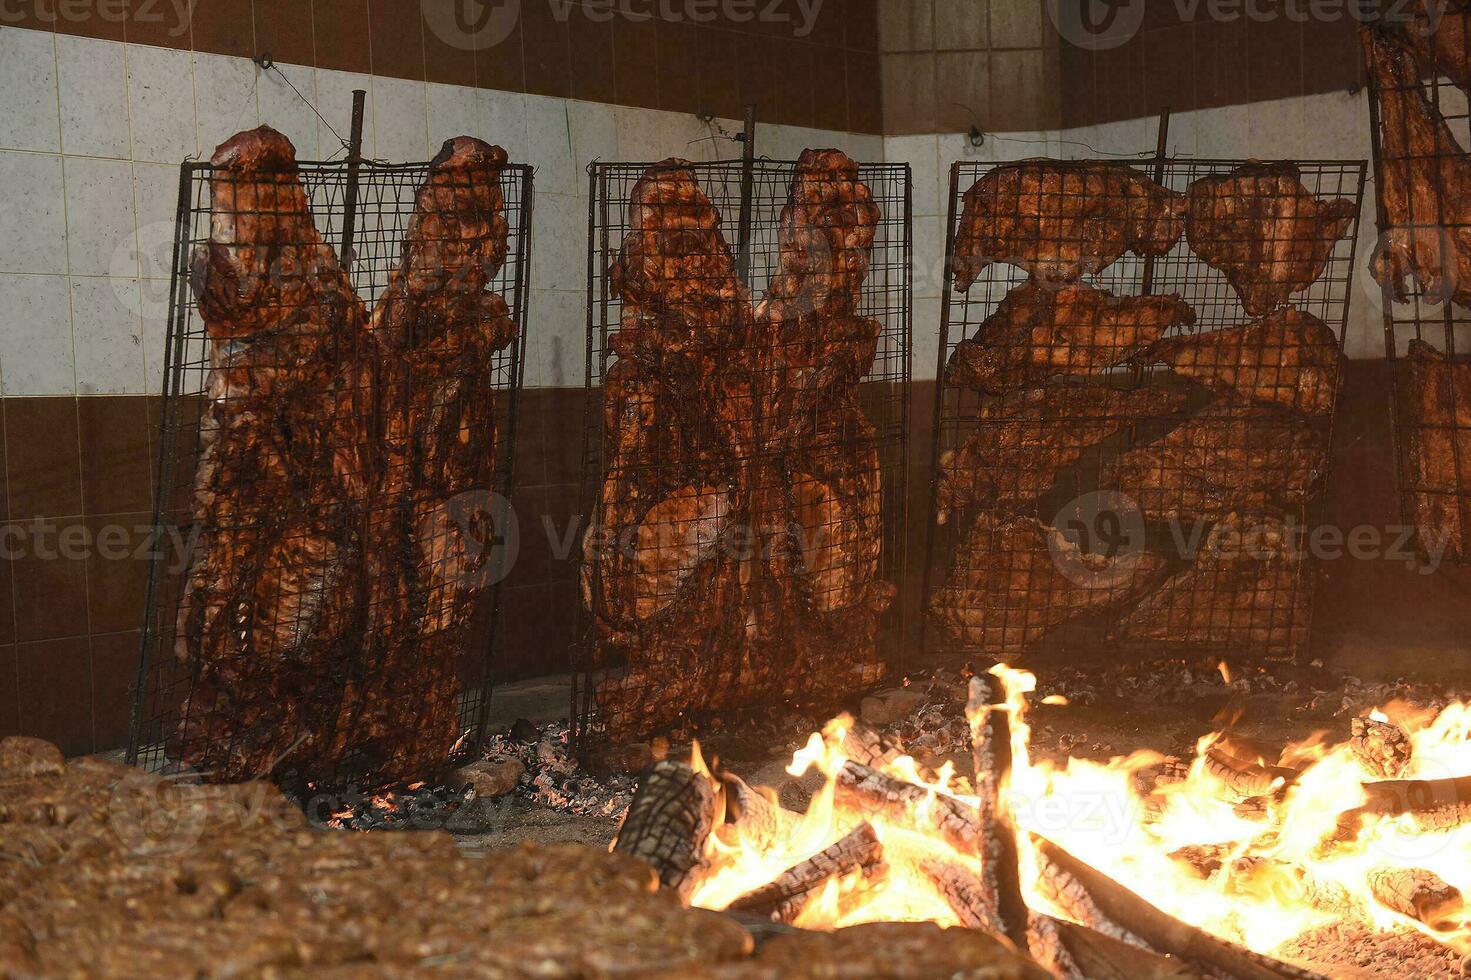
{"type": "Point", "coordinates": [1252, 846]}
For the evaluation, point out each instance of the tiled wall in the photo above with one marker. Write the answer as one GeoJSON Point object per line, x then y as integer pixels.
{"type": "Point", "coordinates": [94, 119]}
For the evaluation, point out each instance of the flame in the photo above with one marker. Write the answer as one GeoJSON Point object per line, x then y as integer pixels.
{"type": "Point", "coordinates": [1273, 871]}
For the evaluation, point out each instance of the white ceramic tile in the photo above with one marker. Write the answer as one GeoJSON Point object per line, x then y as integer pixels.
{"type": "Point", "coordinates": [549, 142]}
{"type": "Point", "coordinates": [926, 337]}
{"type": "Point", "coordinates": [156, 197]}
{"type": "Point", "coordinates": [863, 147]}
{"type": "Point", "coordinates": [31, 120]}
{"type": "Point", "coordinates": [559, 318]}
{"type": "Point", "coordinates": [36, 344]}
{"type": "Point", "coordinates": [1222, 133]}
{"type": "Point", "coordinates": [32, 219]}
{"type": "Point", "coordinates": [108, 335]}
{"type": "Point", "coordinates": [560, 230]}
{"type": "Point", "coordinates": [452, 112]}
{"type": "Point", "coordinates": [922, 155]}
{"type": "Point", "coordinates": [502, 119]}
{"type": "Point", "coordinates": [929, 255]}
{"type": "Point", "coordinates": [224, 98]}
{"type": "Point", "coordinates": [594, 137]}
{"type": "Point", "coordinates": [1340, 126]}
{"type": "Point", "coordinates": [153, 310]}
{"type": "Point", "coordinates": [334, 102]}
{"type": "Point", "coordinates": [101, 225]}
{"type": "Point", "coordinates": [92, 78]}
{"type": "Point", "coordinates": [1276, 130]}
{"type": "Point", "coordinates": [161, 103]}
{"type": "Point", "coordinates": [646, 135]}
{"type": "Point", "coordinates": [283, 110]}
{"type": "Point", "coordinates": [400, 120]}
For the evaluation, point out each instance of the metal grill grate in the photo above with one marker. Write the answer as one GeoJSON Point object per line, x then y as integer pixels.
{"type": "Point", "coordinates": [334, 611]}
{"type": "Point", "coordinates": [1420, 127]}
{"type": "Point", "coordinates": [748, 553]}
{"type": "Point", "coordinates": [1094, 499]}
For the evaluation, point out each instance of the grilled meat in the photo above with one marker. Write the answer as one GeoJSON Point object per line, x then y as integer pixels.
{"type": "Point", "coordinates": [1435, 399]}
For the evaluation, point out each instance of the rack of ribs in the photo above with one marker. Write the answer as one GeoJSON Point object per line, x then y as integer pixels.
{"type": "Point", "coordinates": [1040, 331]}
{"type": "Point", "coordinates": [1435, 399]}
{"type": "Point", "coordinates": [1425, 181]}
{"type": "Point", "coordinates": [1246, 588]}
{"type": "Point", "coordinates": [1225, 458]}
{"type": "Point", "coordinates": [1289, 358]}
{"type": "Point", "coordinates": [1060, 220]}
{"type": "Point", "coordinates": [1017, 580]}
{"type": "Point", "coordinates": [1024, 439]}
{"type": "Point", "coordinates": [1260, 227]}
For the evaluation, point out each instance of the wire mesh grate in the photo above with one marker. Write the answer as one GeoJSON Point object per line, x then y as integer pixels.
{"type": "Point", "coordinates": [336, 452]}
{"type": "Point", "coordinates": [1133, 424]}
{"type": "Point", "coordinates": [1420, 126]}
{"type": "Point", "coordinates": [745, 438]}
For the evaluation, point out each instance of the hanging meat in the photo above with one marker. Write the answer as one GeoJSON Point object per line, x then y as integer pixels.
{"type": "Point", "coordinates": [1440, 33]}
{"type": "Point", "coordinates": [339, 562]}
{"type": "Point", "coordinates": [1022, 440]}
{"type": "Point", "coordinates": [1225, 458]}
{"type": "Point", "coordinates": [1435, 399]}
{"type": "Point", "coordinates": [1425, 182]}
{"type": "Point", "coordinates": [740, 467]}
{"type": "Point", "coordinates": [1014, 580]}
{"type": "Point", "coordinates": [1059, 220]}
{"type": "Point", "coordinates": [1040, 331]}
{"type": "Point", "coordinates": [266, 600]}
{"type": "Point", "coordinates": [1247, 588]}
{"type": "Point", "coordinates": [1289, 358]}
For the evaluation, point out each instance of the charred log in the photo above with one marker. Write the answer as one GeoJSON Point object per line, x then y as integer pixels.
{"type": "Point", "coordinates": [752, 817]}
{"type": "Point", "coordinates": [784, 898]}
{"type": "Point", "coordinates": [668, 824]}
{"type": "Point", "coordinates": [1417, 894]}
{"type": "Point", "coordinates": [990, 728]}
{"type": "Point", "coordinates": [863, 790]}
{"type": "Point", "coordinates": [962, 891]}
{"type": "Point", "coordinates": [1433, 805]}
{"type": "Point", "coordinates": [1165, 933]}
{"type": "Point", "coordinates": [1382, 747]}
{"type": "Point", "coordinates": [1079, 953]}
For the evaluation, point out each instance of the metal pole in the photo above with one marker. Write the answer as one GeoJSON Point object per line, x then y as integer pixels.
{"type": "Point", "coordinates": [354, 163]}
{"type": "Point", "coordinates": [1161, 150]}
{"type": "Point", "coordinates": [748, 179]}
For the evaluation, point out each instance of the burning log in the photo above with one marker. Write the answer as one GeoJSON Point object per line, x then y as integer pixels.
{"type": "Point", "coordinates": [1163, 932]}
{"type": "Point", "coordinates": [961, 890]}
{"type": "Point", "coordinates": [1382, 747]}
{"type": "Point", "coordinates": [874, 749]}
{"type": "Point", "coordinates": [1076, 952]}
{"type": "Point", "coordinates": [783, 898]}
{"type": "Point", "coordinates": [1418, 894]}
{"type": "Point", "coordinates": [863, 789]}
{"type": "Point", "coordinates": [990, 729]}
{"type": "Point", "coordinates": [751, 816]}
{"type": "Point", "coordinates": [1246, 778]}
{"type": "Point", "coordinates": [1433, 805]}
{"type": "Point", "coordinates": [1324, 894]}
{"type": "Point", "coordinates": [669, 822]}
{"type": "Point", "coordinates": [1067, 894]}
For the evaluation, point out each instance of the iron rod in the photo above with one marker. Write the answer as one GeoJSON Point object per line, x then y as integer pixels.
{"type": "Point", "coordinates": [354, 165]}
{"type": "Point", "coordinates": [748, 180]}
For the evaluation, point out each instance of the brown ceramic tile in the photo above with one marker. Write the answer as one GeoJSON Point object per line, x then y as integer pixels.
{"type": "Point", "coordinates": [1274, 65]}
{"type": "Point", "coordinates": [4, 479]}
{"type": "Point", "coordinates": [1119, 77]}
{"type": "Point", "coordinates": [283, 28]}
{"type": "Point", "coordinates": [50, 576]}
{"type": "Point", "coordinates": [114, 675]}
{"type": "Point", "coordinates": [117, 466]}
{"type": "Point", "coordinates": [547, 51]}
{"type": "Point", "coordinates": [42, 457]}
{"type": "Point", "coordinates": [1077, 89]}
{"type": "Point", "coordinates": [960, 25]}
{"type": "Point", "coordinates": [829, 87]}
{"type": "Point", "coordinates": [28, 17]}
{"type": "Point", "coordinates": [396, 39]}
{"type": "Point", "coordinates": [449, 55]}
{"type": "Point", "coordinates": [865, 92]}
{"type": "Point", "coordinates": [760, 84]}
{"type": "Point", "coordinates": [104, 19]}
{"type": "Point", "coordinates": [720, 72]}
{"type": "Point", "coordinates": [906, 25]}
{"type": "Point", "coordinates": [909, 93]}
{"type": "Point", "coordinates": [965, 79]}
{"type": "Point", "coordinates": [117, 571]}
{"type": "Point", "coordinates": [792, 65]}
{"type": "Point", "coordinates": [1220, 64]}
{"type": "Point", "coordinates": [1332, 61]}
{"type": "Point", "coordinates": [828, 24]}
{"type": "Point", "coordinates": [679, 66]}
{"type": "Point", "coordinates": [636, 62]}
{"type": "Point", "coordinates": [1169, 69]}
{"type": "Point", "coordinates": [534, 555]}
{"type": "Point", "coordinates": [499, 63]}
{"type": "Point", "coordinates": [55, 689]}
{"type": "Point", "coordinates": [591, 42]}
{"type": "Point", "coordinates": [1016, 24]}
{"type": "Point", "coordinates": [225, 27]}
{"type": "Point", "coordinates": [861, 24]}
{"type": "Point", "coordinates": [9, 546]}
{"type": "Point", "coordinates": [9, 692]}
{"type": "Point", "coordinates": [340, 35]}
{"type": "Point", "coordinates": [563, 437]}
{"type": "Point", "coordinates": [159, 23]}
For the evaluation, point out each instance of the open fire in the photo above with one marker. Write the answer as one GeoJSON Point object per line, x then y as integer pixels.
{"type": "Point", "coordinates": [1224, 861]}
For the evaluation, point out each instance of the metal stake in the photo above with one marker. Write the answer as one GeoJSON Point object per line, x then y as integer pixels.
{"type": "Point", "coordinates": [354, 164]}
{"type": "Point", "coordinates": [1161, 150]}
{"type": "Point", "coordinates": [748, 180]}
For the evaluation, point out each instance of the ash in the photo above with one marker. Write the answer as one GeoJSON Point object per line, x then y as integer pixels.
{"type": "Point", "coordinates": [553, 778]}
{"type": "Point", "coordinates": [1402, 953]}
